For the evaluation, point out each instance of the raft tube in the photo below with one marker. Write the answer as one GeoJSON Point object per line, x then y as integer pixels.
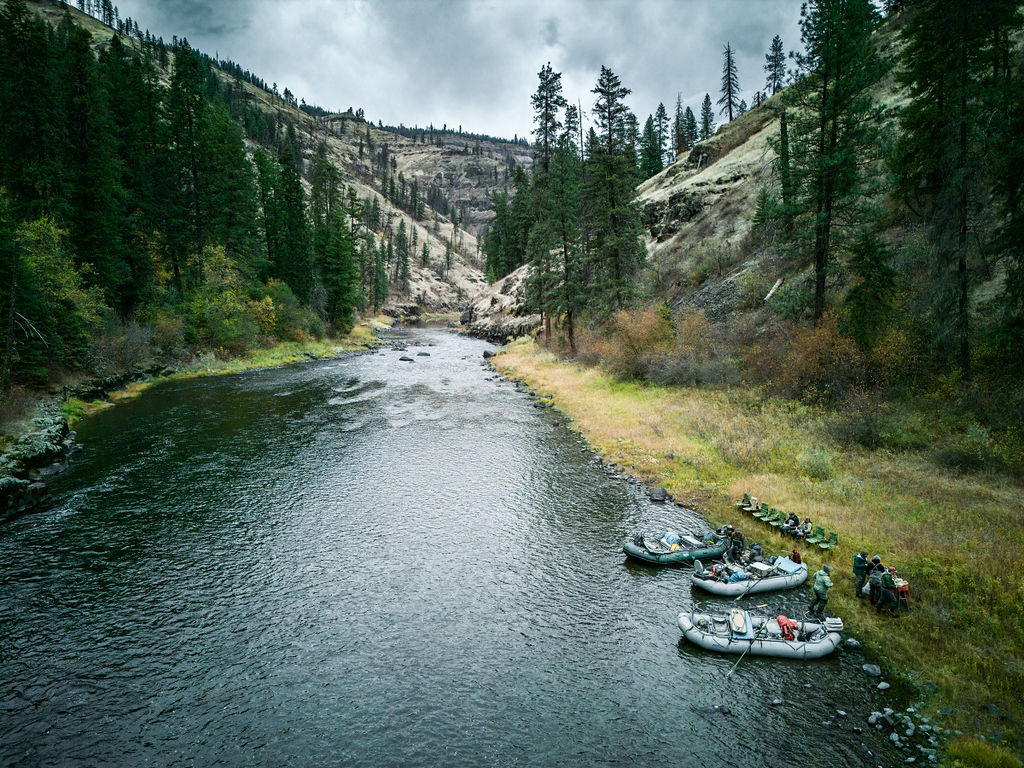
{"type": "Point", "coordinates": [763, 638]}
{"type": "Point", "coordinates": [690, 549]}
{"type": "Point", "coordinates": [786, 575]}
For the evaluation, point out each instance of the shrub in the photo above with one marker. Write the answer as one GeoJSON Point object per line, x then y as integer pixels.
{"type": "Point", "coordinates": [793, 298]}
{"type": "Point", "coordinates": [121, 345]}
{"type": "Point", "coordinates": [819, 363]}
{"type": "Point", "coordinates": [972, 450]}
{"type": "Point", "coordinates": [637, 336]}
{"type": "Point", "coordinates": [815, 462]}
{"type": "Point", "coordinates": [753, 286]}
{"type": "Point", "coordinates": [168, 334]}
{"type": "Point", "coordinates": [970, 752]}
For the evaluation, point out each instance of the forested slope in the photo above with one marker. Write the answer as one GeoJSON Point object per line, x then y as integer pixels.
{"type": "Point", "coordinates": [156, 203]}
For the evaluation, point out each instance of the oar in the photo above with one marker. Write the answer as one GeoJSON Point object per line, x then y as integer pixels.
{"type": "Point", "coordinates": [763, 627]}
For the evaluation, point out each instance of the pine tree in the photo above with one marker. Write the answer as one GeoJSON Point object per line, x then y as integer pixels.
{"type": "Point", "coordinates": [742, 108]}
{"type": "Point", "coordinates": [690, 132]}
{"type": "Point", "coordinates": [940, 157]}
{"type": "Point", "coordinates": [186, 106]}
{"type": "Point", "coordinates": [650, 153]}
{"type": "Point", "coordinates": [292, 264]}
{"type": "Point", "coordinates": [730, 83]}
{"type": "Point", "coordinates": [547, 102]}
{"type": "Point", "coordinates": [616, 251]}
{"type": "Point", "coordinates": [707, 119]}
{"type": "Point", "coordinates": [340, 272]}
{"type": "Point", "coordinates": [95, 212]}
{"type": "Point", "coordinates": [833, 131]}
{"type": "Point", "coordinates": [661, 131]}
{"type": "Point", "coordinates": [679, 138]}
{"type": "Point", "coordinates": [869, 304]}
{"type": "Point", "coordinates": [380, 280]}
{"type": "Point", "coordinates": [775, 66]}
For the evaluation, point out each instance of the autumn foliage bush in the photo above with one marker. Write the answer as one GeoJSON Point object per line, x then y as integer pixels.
{"type": "Point", "coordinates": [659, 345]}
{"type": "Point", "coordinates": [814, 363]}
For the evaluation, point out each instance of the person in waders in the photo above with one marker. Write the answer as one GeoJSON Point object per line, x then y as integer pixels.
{"type": "Point", "coordinates": [860, 570]}
{"type": "Point", "coordinates": [875, 579]}
{"type": "Point", "coordinates": [822, 584]}
{"type": "Point", "coordinates": [887, 597]}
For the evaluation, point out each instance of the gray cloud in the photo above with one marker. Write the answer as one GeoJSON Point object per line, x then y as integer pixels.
{"type": "Point", "coordinates": [474, 62]}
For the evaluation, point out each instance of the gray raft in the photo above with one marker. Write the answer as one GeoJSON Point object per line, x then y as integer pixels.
{"type": "Point", "coordinates": [761, 635]}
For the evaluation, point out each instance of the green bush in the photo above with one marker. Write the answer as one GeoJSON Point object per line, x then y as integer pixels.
{"type": "Point", "coordinates": [973, 450]}
{"type": "Point", "coordinates": [793, 298]}
{"type": "Point", "coordinates": [815, 463]}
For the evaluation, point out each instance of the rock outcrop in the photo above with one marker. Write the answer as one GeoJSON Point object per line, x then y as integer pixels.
{"type": "Point", "coordinates": [499, 313]}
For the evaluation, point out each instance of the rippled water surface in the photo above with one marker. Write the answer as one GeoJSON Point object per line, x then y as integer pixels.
{"type": "Point", "coordinates": [374, 562]}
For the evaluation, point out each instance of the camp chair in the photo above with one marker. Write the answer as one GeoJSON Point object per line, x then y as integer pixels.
{"type": "Point", "coordinates": [745, 502]}
{"type": "Point", "coordinates": [779, 520]}
{"type": "Point", "coordinates": [818, 535]}
{"type": "Point", "coordinates": [764, 511]}
{"type": "Point", "coordinates": [831, 542]}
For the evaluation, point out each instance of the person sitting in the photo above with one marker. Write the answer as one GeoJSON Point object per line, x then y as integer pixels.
{"type": "Point", "coordinates": [754, 555]}
{"type": "Point", "coordinates": [887, 594]}
{"type": "Point", "coordinates": [792, 523]}
{"type": "Point", "coordinates": [875, 579]}
{"type": "Point", "coordinates": [804, 529]}
{"type": "Point", "coordinates": [724, 532]}
{"type": "Point", "coordinates": [736, 547]}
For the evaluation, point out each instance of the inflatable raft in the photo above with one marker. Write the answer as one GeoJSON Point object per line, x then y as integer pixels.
{"type": "Point", "coordinates": [740, 632]}
{"type": "Point", "coordinates": [783, 573]}
{"type": "Point", "coordinates": [674, 549]}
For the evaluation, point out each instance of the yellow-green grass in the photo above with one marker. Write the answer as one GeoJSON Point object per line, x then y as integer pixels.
{"type": "Point", "coordinates": [956, 538]}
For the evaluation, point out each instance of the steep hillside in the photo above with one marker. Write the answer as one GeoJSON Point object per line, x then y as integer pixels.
{"type": "Point", "coordinates": [698, 212]}
{"type": "Point", "coordinates": [457, 171]}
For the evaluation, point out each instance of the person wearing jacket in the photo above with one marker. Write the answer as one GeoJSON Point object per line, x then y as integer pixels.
{"type": "Point", "coordinates": [887, 596]}
{"type": "Point", "coordinates": [739, 543]}
{"type": "Point", "coordinates": [875, 579]}
{"type": "Point", "coordinates": [822, 584]}
{"type": "Point", "coordinates": [860, 570]}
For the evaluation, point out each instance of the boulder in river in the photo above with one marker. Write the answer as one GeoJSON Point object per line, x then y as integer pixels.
{"type": "Point", "coordinates": [658, 494]}
{"type": "Point", "coordinates": [406, 359]}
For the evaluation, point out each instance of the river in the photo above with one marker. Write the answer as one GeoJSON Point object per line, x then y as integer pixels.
{"type": "Point", "coordinates": [370, 561]}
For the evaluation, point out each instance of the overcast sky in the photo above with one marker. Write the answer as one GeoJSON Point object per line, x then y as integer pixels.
{"type": "Point", "coordinates": [474, 63]}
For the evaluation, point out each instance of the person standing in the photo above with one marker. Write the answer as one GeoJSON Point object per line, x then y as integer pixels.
{"type": "Point", "coordinates": [860, 570]}
{"type": "Point", "coordinates": [875, 579]}
{"type": "Point", "coordinates": [822, 584]}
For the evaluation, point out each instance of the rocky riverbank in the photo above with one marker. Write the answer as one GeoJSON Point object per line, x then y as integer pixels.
{"type": "Point", "coordinates": [44, 442]}
{"type": "Point", "coordinates": [43, 451]}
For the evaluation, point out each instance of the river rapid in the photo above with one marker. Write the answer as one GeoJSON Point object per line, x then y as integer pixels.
{"type": "Point", "coordinates": [370, 561]}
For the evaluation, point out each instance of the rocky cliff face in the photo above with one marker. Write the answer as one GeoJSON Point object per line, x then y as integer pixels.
{"type": "Point", "coordinates": [697, 215]}
{"type": "Point", "coordinates": [498, 312]}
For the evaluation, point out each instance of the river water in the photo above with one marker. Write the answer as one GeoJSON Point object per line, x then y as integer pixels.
{"type": "Point", "coordinates": [368, 561]}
